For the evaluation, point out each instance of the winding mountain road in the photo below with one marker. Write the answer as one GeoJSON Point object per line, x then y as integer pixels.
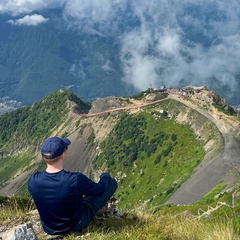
{"type": "Point", "coordinates": [212, 171]}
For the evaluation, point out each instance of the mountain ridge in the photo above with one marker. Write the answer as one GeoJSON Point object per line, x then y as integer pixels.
{"type": "Point", "coordinates": [87, 132]}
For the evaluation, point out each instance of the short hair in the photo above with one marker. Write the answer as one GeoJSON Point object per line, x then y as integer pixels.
{"type": "Point", "coordinates": [50, 161]}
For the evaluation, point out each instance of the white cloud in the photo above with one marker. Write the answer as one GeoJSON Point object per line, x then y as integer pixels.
{"type": "Point", "coordinates": [17, 7]}
{"type": "Point", "coordinates": [78, 70]}
{"type": "Point", "coordinates": [194, 43]}
{"type": "Point", "coordinates": [172, 43]}
{"type": "Point", "coordinates": [88, 14]}
{"type": "Point", "coordinates": [138, 65]}
{"type": "Point", "coordinates": [169, 43]}
{"type": "Point", "coordinates": [89, 9]}
{"type": "Point", "coordinates": [29, 20]}
{"type": "Point", "coordinates": [93, 10]}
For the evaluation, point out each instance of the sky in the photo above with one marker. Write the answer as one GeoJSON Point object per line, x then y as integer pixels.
{"type": "Point", "coordinates": [172, 43]}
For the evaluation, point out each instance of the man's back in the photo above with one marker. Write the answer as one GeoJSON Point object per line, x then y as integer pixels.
{"type": "Point", "coordinates": [58, 197]}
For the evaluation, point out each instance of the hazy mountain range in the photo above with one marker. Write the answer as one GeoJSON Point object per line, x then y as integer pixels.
{"type": "Point", "coordinates": [117, 48]}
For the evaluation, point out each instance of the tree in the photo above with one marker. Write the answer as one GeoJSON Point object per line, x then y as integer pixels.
{"type": "Point", "coordinates": [173, 137]}
{"type": "Point", "coordinates": [157, 159]}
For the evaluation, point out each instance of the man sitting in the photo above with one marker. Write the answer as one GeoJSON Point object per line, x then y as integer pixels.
{"type": "Point", "coordinates": [66, 201]}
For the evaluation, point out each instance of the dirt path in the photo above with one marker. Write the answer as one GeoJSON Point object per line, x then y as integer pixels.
{"type": "Point", "coordinates": [212, 171]}
{"type": "Point", "coordinates": [120, 109]}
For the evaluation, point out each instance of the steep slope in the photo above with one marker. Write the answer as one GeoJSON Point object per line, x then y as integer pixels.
{"type": "Point", "coordinates": [224, 167]}
{"type": "Point", "coordinates": [23, 131]}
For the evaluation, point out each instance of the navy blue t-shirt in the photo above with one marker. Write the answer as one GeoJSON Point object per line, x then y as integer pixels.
{"type": "Point", "coordinates": [59, 197]}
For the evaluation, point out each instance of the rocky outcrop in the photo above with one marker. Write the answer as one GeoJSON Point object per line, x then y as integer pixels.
{"type": "Point", "coordinates": [21, 232]}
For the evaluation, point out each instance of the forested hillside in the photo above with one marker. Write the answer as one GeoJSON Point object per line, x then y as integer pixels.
{"type": "Point", "coordinates": [28, 125]}
{"type": "Point", "coordinates": [34, 62]}
{"type": "Point", "coordinates": [24, 130]}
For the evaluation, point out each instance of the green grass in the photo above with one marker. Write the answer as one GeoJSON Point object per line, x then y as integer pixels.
{"type": "Point", "coordinates": [10, 166]}
{"type": "Point", "coordinates": [14, 209]}
{"type": "Point", "coordinates": [167, 223]}
{"type": "Point", "coordinates": [210, 196]}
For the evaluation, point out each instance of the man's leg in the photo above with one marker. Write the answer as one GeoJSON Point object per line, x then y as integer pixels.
{"type": "Point", "coordinates": [92, 204]}
{"type": "Point", "coordinates": [95, 203]}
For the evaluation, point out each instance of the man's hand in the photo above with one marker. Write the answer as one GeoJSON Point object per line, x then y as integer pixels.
{"type": "Point", "coordinates": [105, 174]}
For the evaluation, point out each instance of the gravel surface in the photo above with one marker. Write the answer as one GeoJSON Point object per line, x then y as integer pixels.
{"type": "Point", "coordinates": [212, 171]}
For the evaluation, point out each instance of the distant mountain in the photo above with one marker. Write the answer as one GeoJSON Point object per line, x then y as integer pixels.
{"type": "Point", "coordinates": [37, 61]}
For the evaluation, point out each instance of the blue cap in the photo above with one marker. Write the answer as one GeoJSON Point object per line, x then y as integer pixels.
{"type": "Point", "coordinates": [54, 147]}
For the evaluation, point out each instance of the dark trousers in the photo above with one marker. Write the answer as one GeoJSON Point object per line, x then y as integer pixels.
{"type": "Point", "coordinates": [92, 204]}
